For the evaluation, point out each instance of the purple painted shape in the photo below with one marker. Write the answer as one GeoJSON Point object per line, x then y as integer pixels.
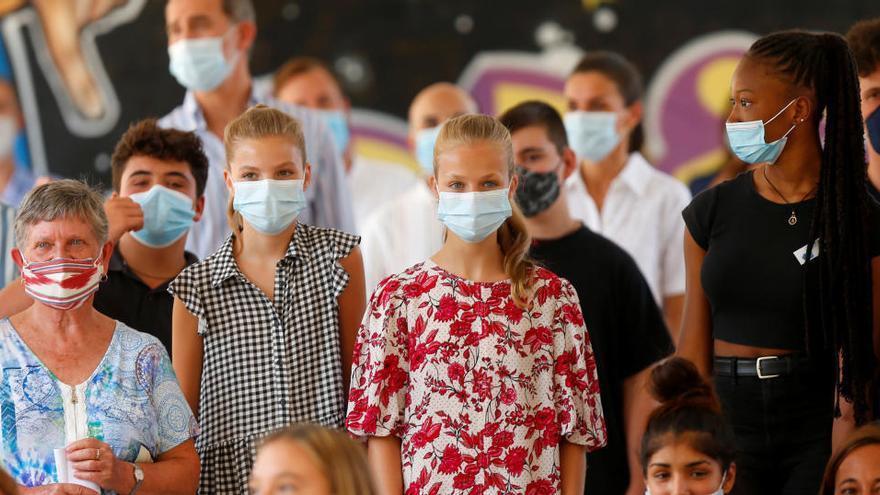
{"type": "Point", "coordinates": [688, 128]}
{"type": "Point", "coordinates": [484, 89]}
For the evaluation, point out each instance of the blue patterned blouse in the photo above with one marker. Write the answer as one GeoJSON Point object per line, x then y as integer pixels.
{"type": "Point", "coordinates": [132, 402]}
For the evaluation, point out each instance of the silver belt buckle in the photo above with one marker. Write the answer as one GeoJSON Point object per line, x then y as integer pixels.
{"type": "Point", "coordinates": [761, 375]}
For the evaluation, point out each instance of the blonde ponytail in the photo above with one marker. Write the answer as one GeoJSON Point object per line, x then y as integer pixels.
{"type": "Point", "coordinates": [513, 238]}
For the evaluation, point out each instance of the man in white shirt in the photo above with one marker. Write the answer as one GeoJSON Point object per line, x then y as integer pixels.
{"type": "Point", "coordinates": [208, 45]}
{"type": "Point", "coordinates": [615, 191]}
{"type": "Point", "coordinates": [308, 82]}
{"type": "Point", "coordinates": [405, 231]}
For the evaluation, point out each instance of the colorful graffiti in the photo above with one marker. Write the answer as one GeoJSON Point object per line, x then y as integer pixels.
{"type": "Point", "coordinates": [686, 101]}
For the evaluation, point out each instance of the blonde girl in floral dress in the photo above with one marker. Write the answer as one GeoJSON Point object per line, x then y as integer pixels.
{"type": "Point", "coordinates": [472, 371]}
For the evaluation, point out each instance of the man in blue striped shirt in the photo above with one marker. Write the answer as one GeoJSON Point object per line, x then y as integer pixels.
{"type": "Point", "coordinates": [8, 270]}
{"type": "Point", "coordinates": [208, 46]}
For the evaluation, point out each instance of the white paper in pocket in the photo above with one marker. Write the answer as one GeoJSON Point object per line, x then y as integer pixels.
{"type": "Point", "coordinates": [801, 254]}
{"type": "Point", "coordinates": [65, 472]}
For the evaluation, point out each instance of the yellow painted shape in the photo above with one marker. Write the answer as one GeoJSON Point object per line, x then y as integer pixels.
{"type": "Point", "coordinates": [384, 151]}
{"type": "Point", "coordinates": [508, 95]}
{"type": "Point", "coordinates": [713, 85]}
{"type": "Point", "coordinates": [701, 165]}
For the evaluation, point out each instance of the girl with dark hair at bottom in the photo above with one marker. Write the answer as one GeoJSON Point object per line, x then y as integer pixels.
{"type": "Point", "coordinates": [687, 446]}
{"type": "Point", "coordinates": [781, 263]}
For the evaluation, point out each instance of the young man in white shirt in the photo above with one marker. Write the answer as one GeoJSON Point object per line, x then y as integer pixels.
{"type": "Point", "coordinates": [405, 231]}
{"type": "Point", "coordinates": [208, 45]}
{"type": "Point", "coordinates": [308, 82]}
{"type": "Point", "coordinates": [615, 191]}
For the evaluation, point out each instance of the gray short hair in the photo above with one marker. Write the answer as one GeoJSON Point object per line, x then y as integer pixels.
{"type": "Point", "coordinates": [61, 199]}
{"type": "Point", "coordinates": [240, 10]}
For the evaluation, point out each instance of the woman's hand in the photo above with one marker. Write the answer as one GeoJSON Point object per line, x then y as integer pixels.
{"type": "Point", "coordinates": [93, 460]}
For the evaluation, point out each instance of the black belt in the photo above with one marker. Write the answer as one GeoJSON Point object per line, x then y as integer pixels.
{"type": "Point", "coordinates": [763, 367]}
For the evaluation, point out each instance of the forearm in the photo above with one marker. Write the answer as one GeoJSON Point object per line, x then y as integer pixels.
{"type": "Point", "coordinates": [637, 406]}
{"type": "Point", "coordinates": [673, 309]}
{"type": "Point", "coordinates": [383, 454]}
{"type": "Point", "coordinates": [572, 468]}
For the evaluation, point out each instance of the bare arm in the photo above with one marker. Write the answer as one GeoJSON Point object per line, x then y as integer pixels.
{"type": "Point", "coordinates": [13, 299]}
{"type": "Point", "coordinates": [673, 307]}
{"type": "Point", "coordinates": [187, 349]}
{"type": "Point", "coordinates": [572, 468]}
{"type": "Point", "coordinates": [695, 341]}
{"type": "Point", "coordinates": [352, 303]}
{"type": "Point", "coordinates": [637, 406]}
{"type": "Point", "coordinates": [383, 454]}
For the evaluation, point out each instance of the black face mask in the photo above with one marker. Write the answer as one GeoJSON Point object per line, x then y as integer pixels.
{"type": "Point", "coordinates": [537, 191]}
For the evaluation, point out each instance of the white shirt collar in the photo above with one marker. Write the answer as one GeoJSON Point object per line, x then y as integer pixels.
{"type": "Point", "coordinates": [635, 176]}
{"type": "Point", "coordinates": [193, 112]}
{"type": "Point", "coordinates": [636, 173]}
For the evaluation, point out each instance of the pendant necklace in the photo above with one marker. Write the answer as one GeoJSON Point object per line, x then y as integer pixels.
{"type": "Point", "coordinates": [793, 219]}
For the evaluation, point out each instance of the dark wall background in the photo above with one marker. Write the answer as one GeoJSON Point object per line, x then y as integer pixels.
{"type": "Point", "coordinates": [404, 45]}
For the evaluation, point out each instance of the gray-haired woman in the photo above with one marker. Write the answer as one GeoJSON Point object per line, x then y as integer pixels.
{"type": "Point", "coordinates": [83, 398]}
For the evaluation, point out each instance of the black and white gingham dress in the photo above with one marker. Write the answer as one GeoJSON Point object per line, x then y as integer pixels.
{"type": "Point", "coordinates": [266, 365]}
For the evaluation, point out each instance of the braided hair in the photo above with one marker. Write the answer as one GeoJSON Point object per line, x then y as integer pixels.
{"type": "Point", "coordinates": [823, 63]}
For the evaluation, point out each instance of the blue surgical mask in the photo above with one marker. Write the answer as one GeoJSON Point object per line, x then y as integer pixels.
{"type": "Point", "coordinates": [199, 64]}
{"type": "Point", "coordinates": [747, 140]}
{"type": "Point", "coordinates": [168, 215]}
{"type": "Point", "coordinates": [719, 491]}
{"type": "Point", "coordinates": [268, 205]}
{"type": "Point", "coordinates": [873, 125]}
{"type": "Point", "coordinates": [425, 140]}
{"type": "Point", "coordinates": [336, 121]}
{"type": "Point", "coordinates": [592, 135]}
{"type": "Point", "coordinates": [472, 216]}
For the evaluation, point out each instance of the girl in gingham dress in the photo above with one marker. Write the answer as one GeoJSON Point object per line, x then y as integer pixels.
{"type": "Point", "coordinates": [473, 372]}
{"type": "Point", "coordinates": [264, 328]}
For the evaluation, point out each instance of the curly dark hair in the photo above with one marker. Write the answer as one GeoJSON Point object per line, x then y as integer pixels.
{"type": "Point", "coordinates": [864, 41]}
{"type": "Point", "coordinates": [146, 138]}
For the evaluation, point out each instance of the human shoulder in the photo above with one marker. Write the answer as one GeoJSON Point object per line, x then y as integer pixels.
{"type": "Point", "coordinates": [662, 184]}
{"type": "Point", "coordinates": [138, 343]}
{"type": "Point", "coordinates": [735, 189]}
{"type": "Point", "coordinates": [178, 118]}
{"type": "Point", "coordinates": [337, 243]}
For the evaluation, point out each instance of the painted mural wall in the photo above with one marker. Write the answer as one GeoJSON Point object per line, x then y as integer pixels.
{"type": "Point", "coordinates": [81, 70]}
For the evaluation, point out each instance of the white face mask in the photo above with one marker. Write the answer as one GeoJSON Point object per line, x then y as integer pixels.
{"type": "Point", "coordinates": [8, 133]}
{"type": "Point", "coordinates": [199, 64]}
{"type": "Point", "coordinates": [719, 491]}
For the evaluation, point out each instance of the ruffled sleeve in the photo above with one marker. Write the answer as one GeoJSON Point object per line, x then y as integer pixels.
{"type": "Point", "coordinates": [380, 369]}
{"type": "Point", "coordinates": [186, 288]}
{"type": "Point", "coordinates": [575, 381]}
{"type": "Point", "coordinates": [343, 244]}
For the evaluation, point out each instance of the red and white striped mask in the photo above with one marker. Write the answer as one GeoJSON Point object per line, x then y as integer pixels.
{"type": "Point", "coordinates": [62, 283]}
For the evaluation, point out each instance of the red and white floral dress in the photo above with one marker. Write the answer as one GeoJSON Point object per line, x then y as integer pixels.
{"type": "Point", "coordinates": [479, 391]}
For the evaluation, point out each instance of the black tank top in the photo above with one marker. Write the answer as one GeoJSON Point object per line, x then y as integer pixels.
{"type": "Point", "coordinates": [753, 272]}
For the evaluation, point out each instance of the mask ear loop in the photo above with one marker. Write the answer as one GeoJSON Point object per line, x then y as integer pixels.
{"type": "Point", "coordinates": [780, 113]}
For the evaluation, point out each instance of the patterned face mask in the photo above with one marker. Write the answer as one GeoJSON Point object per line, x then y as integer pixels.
{"type": "Point", "coordinates": [62, 283]}
{"type": "Point", "coordinates": [537, 191]}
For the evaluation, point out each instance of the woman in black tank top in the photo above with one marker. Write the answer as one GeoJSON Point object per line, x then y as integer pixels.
{"type": "Point", "coordinates": [781, 263]}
